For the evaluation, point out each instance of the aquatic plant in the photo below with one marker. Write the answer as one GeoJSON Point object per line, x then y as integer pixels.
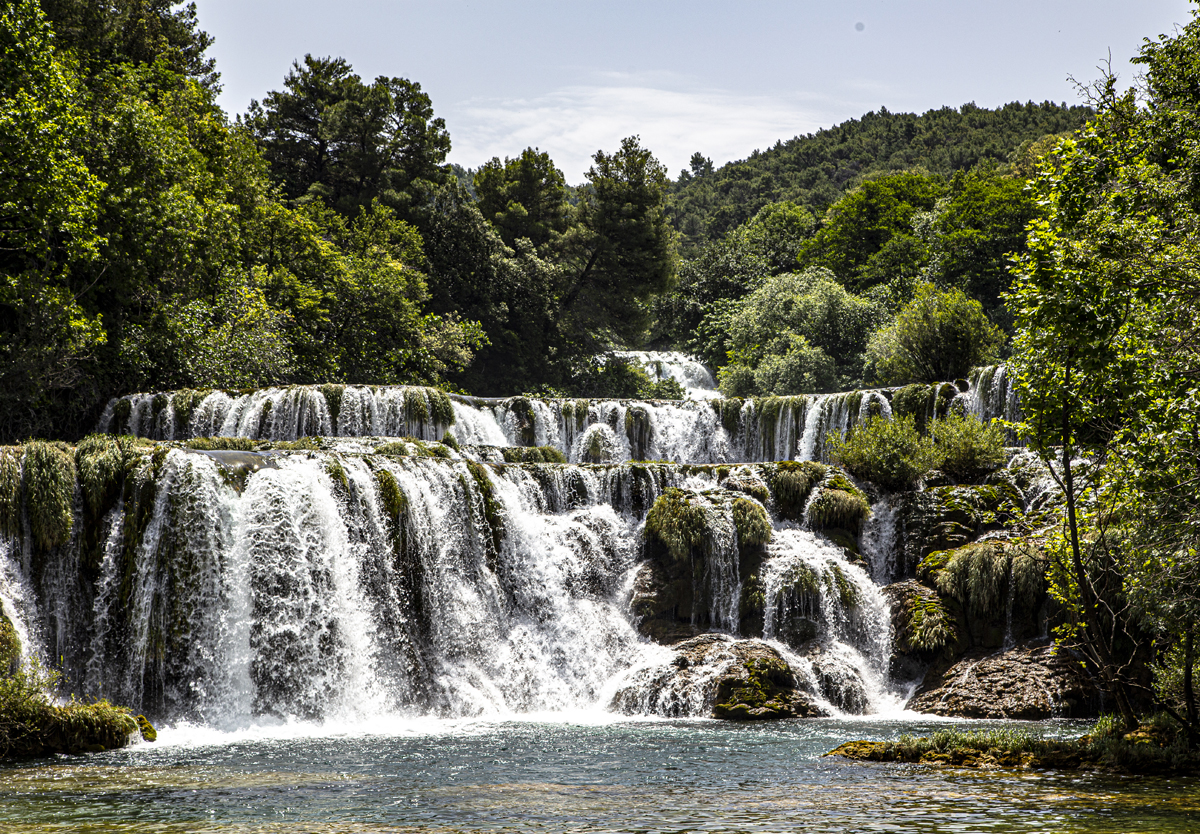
{"type": "Point", "coordinates": [927, 625]}
{"type": "Point", "coordinates": [791, 483]}
{"type": "Point", "coordinates": [493, 514]}
{"type": "Point", "coordinates": [184, 402]}
{"type": "Point", "coordinates": [220, 444]}
{"type": "Point", "coordinates": [441, 409]}
{"type": "Point", "coordinates": [679, 521]}
{"type": "Point", "coordinates": [750, 519]}
{"type": "Point", "coordinates": [838, 509]}
{"type": "Point", "coordinates": [49, 486]}
{"type": "Point", "coordinates": [10, 492]}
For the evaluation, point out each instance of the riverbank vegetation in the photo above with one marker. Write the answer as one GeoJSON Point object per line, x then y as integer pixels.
{"type": "Point", "coordinates": [1156, 746]}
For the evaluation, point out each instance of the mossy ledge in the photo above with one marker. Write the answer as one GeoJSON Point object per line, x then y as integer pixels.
{"type": "Point", "coordinates": [1153, 748]}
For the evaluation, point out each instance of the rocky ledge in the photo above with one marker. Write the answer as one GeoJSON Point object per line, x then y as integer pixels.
{"type": "Point", "coordinates": [1032, 681]}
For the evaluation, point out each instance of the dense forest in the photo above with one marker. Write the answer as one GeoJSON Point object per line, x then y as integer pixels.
{"type": "Point", "coordinates": [152, 242]}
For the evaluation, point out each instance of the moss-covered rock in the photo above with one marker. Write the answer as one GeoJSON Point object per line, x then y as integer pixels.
{"type": "Point", "coordinates": [639, 431]}
{"type": "Point", "coordinates": [10, 647]}
{"type": "Point", "coordinates": [837, 509]}
{"type": "Point", "coordinates": [10, 491]}
{"type": "Point", "coordinates": [532, 454]}
{"type": "Point", "coordinates": [791, 483]}
{"type": "Point", "coordinates": [49, 485]}
{"type": "Point", "coordinates": [741, 680]}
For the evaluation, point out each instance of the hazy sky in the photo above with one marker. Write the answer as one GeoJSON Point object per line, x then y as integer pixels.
{"type": "Point", "coordinates": [574, 76]}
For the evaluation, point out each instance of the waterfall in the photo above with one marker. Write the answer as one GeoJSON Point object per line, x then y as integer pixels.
{"type": "Point", "coordinates": [362, 576]}
{"type": "Point", "coordinates": [697, 380]}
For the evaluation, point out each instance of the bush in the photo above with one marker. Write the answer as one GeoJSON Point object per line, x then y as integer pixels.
{"type": "Point", "coordinates": [737, 381]}
{"type": "Point", "coordinates": [890, 453]}
{"type": "Point", "coordinates": [967, 449]}
{"type": "Point", "coordinates": [49, 481]}
{"type": "Point", "coordinates": [939, 335]}
{"type": "Point", "coordinates": [793, 366]}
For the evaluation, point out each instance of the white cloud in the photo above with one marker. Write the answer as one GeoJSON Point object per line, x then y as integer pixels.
{"type": "Point", "coordinates": [572, 123]}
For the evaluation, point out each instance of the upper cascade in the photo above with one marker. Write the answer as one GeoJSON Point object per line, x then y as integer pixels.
{"type": "Point", "coordinates": [697, 380]}
{"type": "Point", "coordinates": [717, 430]}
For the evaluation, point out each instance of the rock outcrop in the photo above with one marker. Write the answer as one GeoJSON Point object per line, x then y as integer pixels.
{"type": "Point", "coordinates": [1032, 681]}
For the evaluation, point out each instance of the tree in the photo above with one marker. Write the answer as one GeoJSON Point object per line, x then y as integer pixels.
{"type": "Point", "coordinates": [871, 224]}
{"type": "Point", "coordinates": [622, 250]}
{"type": "Point", "coordinates": [939, 335]}
{"type": "Point", "coordinates": [328, 135]}
{"type": "Point", "coordinates": [48, 208]}
{"type": "Point", "coordinates": [524, 197]}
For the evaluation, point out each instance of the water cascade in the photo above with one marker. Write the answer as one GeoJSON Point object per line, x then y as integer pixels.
{"type": "Point", "coordinates": [318, 552]}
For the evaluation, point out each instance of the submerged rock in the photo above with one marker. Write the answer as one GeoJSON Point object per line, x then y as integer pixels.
{"type": "Point", "coordinates": [1032, 681]}
{"type": "Point", "coordinates": [717, 676]}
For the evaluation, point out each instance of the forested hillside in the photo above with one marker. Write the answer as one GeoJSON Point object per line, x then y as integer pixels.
{"type": "Point", "coordinates": [814, 170]}
{"type": "Point", "coordinates": [152, 242]}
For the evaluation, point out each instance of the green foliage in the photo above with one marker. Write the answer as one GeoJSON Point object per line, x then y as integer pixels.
{"type": "Point", "coordinates": [788, 331]}
{"type": "Point", "coordinates": [678, 520]}
{"type": "Point", "coordinates": [10, 647]}
{"type": "Point", "coordinates": [791, 483]}
{"type": "Point", "coordinates": [49, 486]}
{"type": "Point", "coordinates": [914, 401]}
{"type": "Point", "coordinates": [394, 501]}
{"type": "Point", "coordinates": [874, 223]}
{"type": "Point", "coordinates": [813, 170]}
{"type": "Point", "coordinates": [220, 444]}
{"type": "Point", "coordinates": [750, 519]}
{"type": "Point", "coordinates": [524, 197]}
{"type": "Point", "coordinates": [838, 509]}
{"type": "Point", "coordinates": [533, 454]}
{"type": "Point", "coordinates": [890, 453]}
{"type": "Point", "coordinates": [939, 335]}
{"type": "Point", "coordinates": [967, 449]}
{"type": "Point", "coordinates": [329, 136]}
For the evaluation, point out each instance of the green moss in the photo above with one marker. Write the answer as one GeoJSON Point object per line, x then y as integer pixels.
{"type": "Point", "coordinates": [395, 448]}
{"type": "Point", "coordinates": [49, 485]}
{"type": "Point", "coordinates": [522, 408]}
{"type": "Point", "coordinates": [146, 728]}
{"type": "Point", "coordinates": [120, 416]}
{"type": "Point", "coordinates": [534, 454]}
{"type": "Point", "coordinates": [679, 521]}
{"type": "Point", "coordinates": [914, 401]}
{"type": "Point", "coordinates": [927, 625]}
{"type": "Point", "coordinates": [840, 585]}
{"type": "Point", "coordinates": [337, 474]}
{"type": "Point", "coordinates": [449, 440]}
{"type": "Point", "coordinates": [753, 526]}
{"type": "Point", "coordinates": [416, 409]}
{"type": "Point", "coordinates": [394, 500]}
{"type": "Point", "coordinates": [158, 404]}
{"type": "Point", "coordinates": [333, 394]}
{"type": "Point", "coordinates": [760, 692]}
{"type": "Point", "coordinates": [264, 417]}
{"type": "Point", "coordinates": [791, 483]}
{"type": "Point", "coordinates": [10, 492]}
{"type": "Point", "coordinates": [10, 647]}
{"type": "Point", "coordinates": [220, 444]}
{"type": "Point", "coordinates": [748, 484]}
{"type": "Point", "coordinates": [839, 509]}
{"type": "Point", "coordinates": [441, 408]}
{"type": "Point", "coordinates": [185, 403]}
{"type": "Point", "coordinates": [730, 411]}
{"type": "Point", "coordinates": [639, 431]}
{"type": "Point", "coordinates": [492, 512]}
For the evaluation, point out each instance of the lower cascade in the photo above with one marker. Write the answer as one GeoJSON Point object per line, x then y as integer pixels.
{"type": "Point", "coordinates": [308, 583]}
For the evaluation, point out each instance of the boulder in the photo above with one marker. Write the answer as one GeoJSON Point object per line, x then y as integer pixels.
{"type": "Point", "coordinates": [1031, 681]}
{"type": "Point", "coordinates": [718, 676]}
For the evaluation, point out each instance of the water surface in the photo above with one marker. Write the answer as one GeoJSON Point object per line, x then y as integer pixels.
{"type": "Point", "coordinates": [593, 774]}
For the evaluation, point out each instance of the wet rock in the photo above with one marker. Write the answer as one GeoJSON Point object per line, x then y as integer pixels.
{"type": "Point", "coordinates": [1032, 681]}
{"type": "Point", "coordinates": [718, 676]}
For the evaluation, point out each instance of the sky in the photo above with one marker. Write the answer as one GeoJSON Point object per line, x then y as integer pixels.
{"type": "Point", "coordinates": [571, 77]}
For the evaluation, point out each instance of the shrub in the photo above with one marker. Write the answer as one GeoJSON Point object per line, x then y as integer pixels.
{"type": "Point", "coordinates": [753, 526]}
{"type": "Point", "coordinates": [967, 449]}
{"type": "Point", "coordinates": [890, 453]}
{"type": "Point", "coordinates": [737, 380]}
{"type": "Point", "coordinates": [939, 335]}
{"type": "Point", "coordinates": [221, 444]}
